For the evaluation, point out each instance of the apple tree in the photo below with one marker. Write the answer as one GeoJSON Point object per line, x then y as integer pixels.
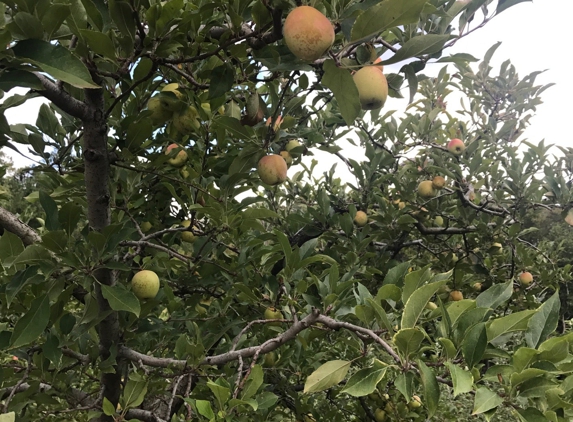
{"type": "Point", "coordinates": [413, 289]}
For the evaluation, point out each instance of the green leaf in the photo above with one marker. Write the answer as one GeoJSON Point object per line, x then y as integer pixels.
{"type": "Point", "coordinates": [222, 80]}
{"type": "Point", "coordinates": [408, 341]}
{"type": "Point", "coordinates": [462, 380]}
{"type": "Point", "coordinates": [388, 14]}
{"type": "Point", "coordinates": [413, 280]}
{"type": "Point", "coordinates": [395, 275]}
{"type": "Point", "coordinates": [544, 322]}
{"type": "Point", "coordinates": [108, 407]}
{"type": "Point", "coordinates": [417, 46]}
{"type": "Point", "coordinates": [474, 344]}
{"type": "Point", "coordinates": [121, 299]}
{"type": "Point", "coordinates": [253, 383]}
{"type": "Point", "coordinates": [342, 85]}
{"type": "Point", "coordinates": [99, 43]}
{"type": "Point", "coordinates": [364, 382]}
{"type": "Point", "coordinates": [267, 400]}
{"type": "Point", "coordinates": [54, 18]}
{"type": "Point", "coordinates": [19, 280]}
{"type": "Point", "coordinates": [326, 376]}
{"type": "Point", "coordinates": [51, 210]}
{"type": "Point", "coordinates": [33, 254]}
{"type": "Point", "coordinates": [485, 400]}
{"type": "Point", "coordinates": [234, 127]}
{"type": "Point", "coordinates": [417, 302]}
{"type": "Point", "coordinates": [259, 213]}
{"type": "Point", "coordinates": [33, 323]}
{"type": "Point", "coordinates": [26, 26]}
{"type": "Point", "coordinates": [506, 4]}
{"type": "Point", "coordinates": [122, 15]}
{"type": "Point", "coordinates": [204, 409]}
{"type": "Point", "coordinates": [495, 295]}
{"type": "Point", "coordinates": [412, 81]}
{"type": "Point", "coordinates": [69, 216]}
{"type": "Point", "coordinates": [510, 323]}
{"type": "Point", "coordinates": [10, 247]}
{"type": "Point", "coordinates": [220, 392]}
{"type": "Point", "coordinates": [14, 78]}
{"type": "Point", "coordinates": [134, 393]}
{"type": "Point", "coordinates": [55, 60]}
{"type": "Point", "coordinates": [431, 388]}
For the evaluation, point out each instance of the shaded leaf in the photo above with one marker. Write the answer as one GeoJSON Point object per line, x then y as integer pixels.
{"type": "Point", "coordinates": [423, 44]}
{"type": "Point", "coordinates": [326, 376]}
{"type": "Point", "coordinates": [543, 322]}
{"type": "Point", "coordinates": [342, 85]}
{"type": "Point", "coordinates": [121, 299]}
{"type": "Point", "coordinates": [364, 382]}
{"type": "Point", "coordinates": [431, 388]}
{"type": "Point", "coordinates": [33, 323]}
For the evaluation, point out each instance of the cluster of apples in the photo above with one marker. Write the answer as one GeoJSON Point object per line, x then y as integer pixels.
{"type": "Point", "coordinates": [169, 105]}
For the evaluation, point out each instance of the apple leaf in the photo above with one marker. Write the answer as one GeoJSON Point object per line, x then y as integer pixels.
{"type": "Point", "coordinates": [544, 322]}
{"type": "Point", "coordinates": [121, 299]}
{"type": "Point", "coordinates": [462, 379]}
{"type": "Point", "coordinates": [506, 4]}
{"type": "Point", "coordinates": [424, 44]}
{"type": "Point", "coordinates": [485, 400]}
{"type": "Point", "coordinates": [512, 322]}
{"type": "Point", "coordinates": [431, 388]}
{"type": "Point", "coordinates": [408, 341]}
{"type": "Point", "coordinates": [326, 376]}
{"type": "Point", "coordinates": [33, 323]}
{"type": "Point", "coordinates": [495, 295]}
{"type": "Point", "coordinates": [417, 302]}
{"type": "Point", "coordinates": [55, 60]}
{"type": "Point", "coordinates": [364, 382]}
{"type": "Point", "coordinates": [474, 344]}
{"type": "Point", "coordinates": [342, 85]}
{"type": "Point", "coordinates": [388, 14]}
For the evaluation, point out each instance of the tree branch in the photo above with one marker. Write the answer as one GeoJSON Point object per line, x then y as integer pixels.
{"type": "Point", "coordinates": [16, 226]}
{"type": "Point", "coordinates": [61, 98]}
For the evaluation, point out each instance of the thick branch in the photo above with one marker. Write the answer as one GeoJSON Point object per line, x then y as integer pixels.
{"type": "Point", "coordinates": [62, 99]}
{"type": "Point", "coordinates": [13, 224]}
{"type": "Point", "coordinates": [143, 415]}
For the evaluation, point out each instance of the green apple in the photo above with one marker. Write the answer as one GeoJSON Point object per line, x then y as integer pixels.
{"type": "Point", "coordinates": [361, 219]}
{"type": "Point", "coordinates": [187, 236]}
{"type": "Point", "coordinates": [426, 189]}
{"type": "Point", "coordinates": [372, 87]}
{"type": "Point", "coordinates": [380, 415]}
{"type": "Point", "coordinates": [273, 313]}
{"type": "Point", "coordinates": [186, 121]}
{"type": "Point", "coordinates": [145, 284]}
{"type": "Point", "coordinates": [145, 226]}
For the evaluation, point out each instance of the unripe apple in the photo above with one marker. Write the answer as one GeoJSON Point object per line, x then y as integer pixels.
{"type": "Point", "coordinates": [272, 169]}
{"type": "Point", "coordinates": [456, 295]}
{"type": "Point", "coordinates": [431, 306]}
{"type": "Point", "coordinates": [270, 360]}
{"type": "Point", "coordinates": [174, 87]}
{"type": "Point", "coordinates": [176, 159]}
{"type": "Point", "coordinates": [379, 415]}
{"type": "Point", "coordinates": [308, 33]}
{"type": "Point", "coordinates": [426, 189]}
{"type": "Point", "coordinates": [525, 278]}
{"type": "Point", "coordinates": [186, 121]}
{"type": "Point", "coordinates": [361, 219]}
{"type": "Point", "coordinates": [145, 226]}
{"type": "Point", "coordinates": [415, 403]}
{"type": "Point", "coordinates": [187, 236]}
{"type": "Point", "coordinates": [287, 157]}
{"type": "Point", "coordinates": [372, 87]}
{"type": "Point", "coordinates": [292, 144]}
{"type": "Point", "coordinates": [439, 221]}
{"type": "Point", "coordinates": [456, 146]}
{"type": "Point", "coordinates": [497, 248]}
{"type": "Point", "coordinates": [145, 284]}
{"type": "Point", "coordinates": [273, 313]}
{"type": "Point", "coordinates": [438, 182]}
{"type": "Point", "coordinates": [160, 113]}
{"type": "Point", "coordinates": [477, 286]}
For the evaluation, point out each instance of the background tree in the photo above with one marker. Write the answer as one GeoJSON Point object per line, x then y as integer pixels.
{"type": "Point", "coordinates": [275, 302]}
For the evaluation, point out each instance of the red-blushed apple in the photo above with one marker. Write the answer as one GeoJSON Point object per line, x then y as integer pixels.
{"type": "Point", "coordinates": [372, 87]}
{"type": "Point", "coordinates": [176, 159]}
{"type": "Point", "coordinates": [456, 296]}
{"type": "Point", "coordinates": [361, 218]}
{"type": "Point", "coordinates": [145, 284]}
{"type": "Point", "coordinates": [525, 278]}
{"type": "Point", "coordinates": [308, 33]}
{"type": "Point", "coordinates": [456, 146]}
{"type": "Point", "coordinates": [426, 189]}
{"type": "Point", "coordinates": [378, 63]}
{"type": "Point", "coordinates": [272, 169]}
{"type": "Point", "coordinates": [438, 182]}
{"type": "Point", "coordinates": [277, 124]}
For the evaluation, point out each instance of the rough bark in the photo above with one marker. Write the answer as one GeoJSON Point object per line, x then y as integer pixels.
{"type": "Point", "coordinates": [13, 224]}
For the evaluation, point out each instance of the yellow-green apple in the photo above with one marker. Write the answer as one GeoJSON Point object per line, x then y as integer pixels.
{"type": "Point", "coordinates": [431, 306]}
{"type": "Point", "coordinates": [273, 313]}
{"type": "Point", "coordinates": [525, 278]}
{"type": "Point", "coordinates": [439, 220]}
{"type": "Point", "coordinates": [174, 88]}
{"type": "Point", "coordinates": [379, 415]}
{"type": "Point", "coordinates": [360, 219]}
{"type": "Point", "coordinates": [415, 403]}
{"type": "Point", "coordinates": [438, 182]}
{"type": "Point", "coordinates": [186, 121]}
{"type": "Point", "coordinates": [378, 63]}
{"type": "Point", "coordinates": [477, 286]}
{"type": "Point", "coordinates": [145, 284]}
{"type": "Point", "coordinates": [272, 169]}
{"type": "Point", "coordinates": [187, 236]}
{"type": "Point", "coordinates": [288, 158]}
{"type": "Point", "coordinates": [308, 33]}
{"type": "Point", "coordinates": [270, 360]}
{"type": "Point", "coordinates": [496, 248]}
{"type": "Point", "coordinates": [145, 226]}
{"type": "Point", "coordinates": [292, 144]}
{"type": "Point", "coordinates": [456, 146]}
{"type": "Point", "coordinates": [456, 295]}
{"type": "Point", "coordinates": [372, 87]}
{"type": "Point", "coordinates": [176, 159]}
{"type": "Point", "coordinates": [426, 189]}
{"type": "Point", "coordinates": [160, 113]}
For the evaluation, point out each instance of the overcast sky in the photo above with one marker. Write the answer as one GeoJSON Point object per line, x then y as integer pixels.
{"type": "Point", "coordinates": [534, 35]}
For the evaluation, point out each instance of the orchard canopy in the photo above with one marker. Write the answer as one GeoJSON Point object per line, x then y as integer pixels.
{"type": "Point", "coordinates": [155, 267]}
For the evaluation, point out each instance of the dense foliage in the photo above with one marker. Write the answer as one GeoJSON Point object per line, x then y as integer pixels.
{"type": "Point", "coordinates": [276, 302]}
